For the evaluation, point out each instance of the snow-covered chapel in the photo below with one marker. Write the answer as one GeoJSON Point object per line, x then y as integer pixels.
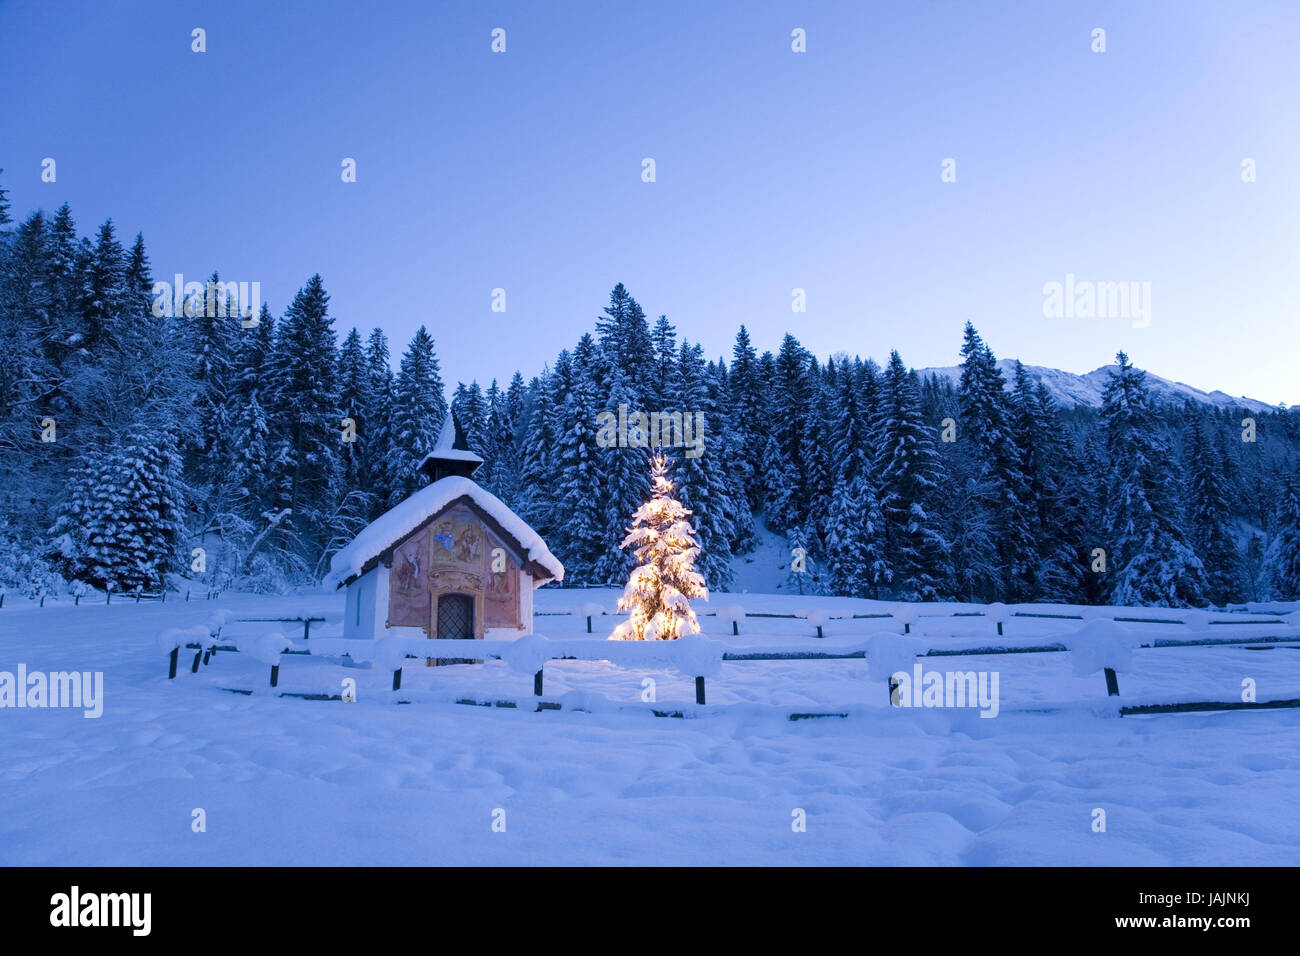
{"type": "Point", "coordinates": [451, 560]}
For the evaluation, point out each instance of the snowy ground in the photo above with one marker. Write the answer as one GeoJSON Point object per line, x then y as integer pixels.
{"type": "Point", "coordinates": [286, 780]}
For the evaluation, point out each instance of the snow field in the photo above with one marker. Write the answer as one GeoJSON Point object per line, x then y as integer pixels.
{"type": "Point", "coordinates": [285, 780]}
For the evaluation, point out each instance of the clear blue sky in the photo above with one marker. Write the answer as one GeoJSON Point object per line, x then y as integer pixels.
{"type": "Point", "coordinates": [775, 170]}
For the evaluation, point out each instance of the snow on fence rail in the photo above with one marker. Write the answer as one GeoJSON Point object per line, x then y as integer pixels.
{"type": "Point", "coordinates": [134, 597]}
{"type": "Point", "coordinates": [1101, 644]}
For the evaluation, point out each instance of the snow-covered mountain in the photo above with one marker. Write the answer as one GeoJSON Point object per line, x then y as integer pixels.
{"type": "Point", "coordinates": [1071, 390]}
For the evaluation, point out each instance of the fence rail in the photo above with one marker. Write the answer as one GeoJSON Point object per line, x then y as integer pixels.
{"type": "Point", "coordinates": [206, 650]}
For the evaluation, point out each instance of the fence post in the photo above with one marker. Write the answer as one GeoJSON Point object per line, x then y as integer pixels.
{"type": "Point", "coordinates": [588, 623]}
{"type": "Point", "coordinates": [194, 668]}
{"type": "Point", "coordinates": [137, 596]}
{"type": "Point", "coordinates": [76, 600]}
{"type": "Point", "coordinates": [173, 657]}
{"type": "Point", "coordinates": [397, 679]}
{"type": "Point", "coordinates": [1112, 683]}
{"type": "Point", "coordinates": [537, 683]}
{"type": "Point", "coordinates": [819, 631]}
{"type": "Point", "coordinates": [699, 690]}
{"type": "Point", "coordinates": [42, 600]}
{"type": "Point", "coordinates": [164, 596]}
{"type": "Point", "coordinates": [187, 597]}
{"type": "Point", "coordinates": [275, 675]}
{"type": "Point", "coordinates": [999, 628]}
{"type": "Point", "coordinates": [735, 628]}
{"type": "Point", "coordinates": [2, 599]}
{"type": "Point", "coordinates": [108, 597]}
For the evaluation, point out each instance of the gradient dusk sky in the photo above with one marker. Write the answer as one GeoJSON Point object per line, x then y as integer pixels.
{"type": "Point", "coordinates": [775, 170]}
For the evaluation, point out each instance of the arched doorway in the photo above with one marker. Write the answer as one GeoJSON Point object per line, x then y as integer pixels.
{"type": "Point", "coordinates": [455, 622]}
{"type": "Point", "coordinates": [455, 616]}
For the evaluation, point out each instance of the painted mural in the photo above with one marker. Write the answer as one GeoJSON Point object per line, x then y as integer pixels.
{"type": "Point", "coordinates": [455, 554]}
{"type": "Point", "coordinates": [408, 601]}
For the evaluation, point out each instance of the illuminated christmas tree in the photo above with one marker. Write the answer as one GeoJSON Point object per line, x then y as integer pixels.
{"type": "Point", "coordinates": [659, 591]}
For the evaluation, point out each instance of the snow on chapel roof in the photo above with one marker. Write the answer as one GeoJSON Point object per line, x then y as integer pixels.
{"type": "Point", "coordinates": [403, 519]}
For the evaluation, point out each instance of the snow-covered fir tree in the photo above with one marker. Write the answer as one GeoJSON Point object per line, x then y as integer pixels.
{"type": "Point", "coordinates": [1281, 563]}
{"type": "Point", "coordinates": [120, 526]}
{"type": "Point", "coordinates": [1152, 562]}
{"type": "Point", "coordinates": [699, 473]}
{"type": "Point", "coordinates": [578, 484]}
{"type": "Point", "coordinates": [909, 481]}
{"type": "Point", "coordinates": [624, 474]}
{"type": "Point", "coordinates": [1209, 530]}
{"type": "Point", "coordinates": [418, 410]}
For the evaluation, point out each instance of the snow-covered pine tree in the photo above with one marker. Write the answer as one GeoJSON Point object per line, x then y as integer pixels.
{"type": "Point", "coordinates": [497, 436]}
{"type": "Point", "coordinates": [805, 572]}
{"type": "Point", "coordinates": [378, 448]}
{"type": "Point", "coordinates": [578, 484]}
{"type": "Point", "coordinates": [1152, 563]}
{"type": "Point", "coordinates": [535, 503]}
{"type": "Point", "coordinates": [305, 368]}
{"type": "Point", "coordinates": [910, 476]}
{"type": "Point", "coordinates": [626, 486]}
{"type": "Point", "coordinates": [659, 592]}
{"type": "Point", "coordinates": [624, 335]}
{"type": "Point", "coordinates": [355, 402]}
{"type": "Point", "coordinates": [725, 443]}
{"type": "Point", "coordinates": [1208, 528]}
{"type": "Point", "coordinates": [1281, 563]}
{"type": "Point", "coordinates": [780, 487]}
{"type": "Point", "coordinates": [250, 481]}
{"type": "Point", "coordinates": [792, 394]}
{"type": "Point", "coordinates": [818, 447]}
{"type": "Point", "coordinates": [998, 486]}
{"type": "Point", "coordinates": [661, 384]}
{"type": "Point", "coordinates": [1045, 456]}
{"type": "Point", "coordinates": [850, 422]}
{"type": "Point", "coordinates": [120, 524]}
{"type": "Point", "coordinates": [213, 335]}
{"type": "Point", "coordinates": [845, 547]}
{"type": "Point", "coordinates": [701, 480]}
{"type": "Point", "coordinates": [418, 411]}
{"type": "Point", "coordinates": [747, 405]}
{"type": "Point", "coordinates": [104, 293]}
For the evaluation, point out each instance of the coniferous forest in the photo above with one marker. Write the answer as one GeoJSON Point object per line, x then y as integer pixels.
{"type": "Point", "coordinates": [137, 449]}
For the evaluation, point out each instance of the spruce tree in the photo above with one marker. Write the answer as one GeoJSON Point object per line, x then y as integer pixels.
{"type": "Point", "coordinates": [624, 474]}
{"type": "Point", "coordinates": [305, 367]}
{"type": "Point", "coordinates": [909, 481]}
{"type": "Point", "coordinates": [1153, 565]}
{"type": "Point", "coordinates": [379, 375]}
{"type": "Point", "coordinates": [537, 472]}
{"type": "Point", "coordinates": [578, 483]}
{"type": "Point", "coordinates": [624, 335]}
{"type": "Point", "coordinates": [748, 405]}
{"type": "Point", "coordinates": [355, 402]}
{"type": "Point", "coordinates": [417, 414]}
{"type": "Point", "coordinates": [701, 481]}
{"type": "Point", "coordinates": [1209, 531]}
{"type": "Point", "coordinates": [997, 486]}
{"type": "Point", "coordinates": [120, 526]}
{"type": "Point", "coordinates": [1281, 563]}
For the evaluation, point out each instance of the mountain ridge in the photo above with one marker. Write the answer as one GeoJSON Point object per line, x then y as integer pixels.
{"type": "Point", "coordinates": [1073, 390]}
